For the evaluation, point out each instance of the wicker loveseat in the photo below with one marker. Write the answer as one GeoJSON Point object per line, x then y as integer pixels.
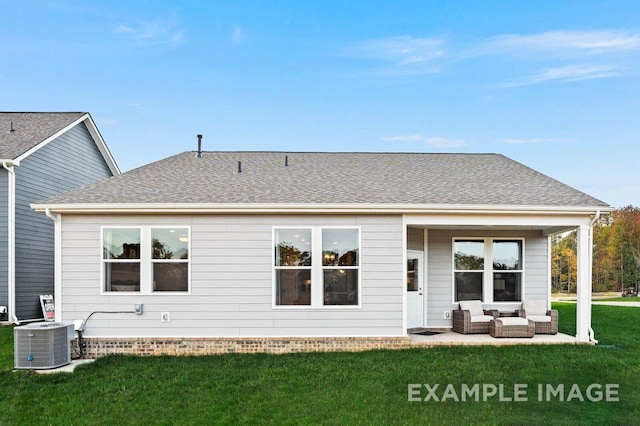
{"type": "Point", "coordinates": [472, 319]}
{"type": "Point", "coordinates": [546, 320]}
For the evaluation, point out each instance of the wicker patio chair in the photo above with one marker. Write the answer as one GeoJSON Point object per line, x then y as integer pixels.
{"type": "Point", "coordinates": [546, 320]}
{"type": "Point", "coordinates": [472, 319]}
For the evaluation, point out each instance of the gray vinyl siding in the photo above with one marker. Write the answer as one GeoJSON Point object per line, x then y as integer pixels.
{"type": "Point", "coordinates": [232, 281]}
{"type": "Point", "coordinates": [440, 270]}
{"type": "Point", "coordinates": [4, 238]}
{"type": "Point", "coordinates": [70, 161]}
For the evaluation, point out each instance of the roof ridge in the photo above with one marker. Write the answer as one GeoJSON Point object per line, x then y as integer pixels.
{"type": "Point", "coordinates": [341, 152]}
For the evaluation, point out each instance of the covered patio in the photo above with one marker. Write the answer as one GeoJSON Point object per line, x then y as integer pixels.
{"type": "Point", "coordinates": [433, 293]}
{"type": "Point", "coordinates": [450, 338]}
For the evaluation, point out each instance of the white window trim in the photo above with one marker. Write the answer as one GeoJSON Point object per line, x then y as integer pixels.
{"type": "Point", "coordinates": [317, 290]}
{"type": "Point", "coordinates": [146, 276]}
{"type": "Point", "coordinates": [487, 276]}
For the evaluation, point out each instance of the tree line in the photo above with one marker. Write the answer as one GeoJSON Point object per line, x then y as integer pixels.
{"type": "Point", "coordinates": [616, 253]}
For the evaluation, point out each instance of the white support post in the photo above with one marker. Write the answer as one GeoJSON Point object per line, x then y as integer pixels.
{"type": "Point", "coordinates": [583, 314]}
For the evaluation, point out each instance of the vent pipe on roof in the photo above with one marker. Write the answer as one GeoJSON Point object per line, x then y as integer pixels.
{"type": "Point", "coordinates": [239, 166]}
{"type": "Point", "coordinates": [11, 129]}
{"type": "Point", "coordinates": [286, 161]}
{"type": "Point", "coordinates": [199, 153]}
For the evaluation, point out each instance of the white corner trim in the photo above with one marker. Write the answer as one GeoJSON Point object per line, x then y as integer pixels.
{"type": "Point", "coordinates": [11, 241]}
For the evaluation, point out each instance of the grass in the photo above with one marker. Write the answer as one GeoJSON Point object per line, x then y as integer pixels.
{"type": "Point", "coordinates": [335, 388]}
{"type": "Point", "coordinates": [619, 299]}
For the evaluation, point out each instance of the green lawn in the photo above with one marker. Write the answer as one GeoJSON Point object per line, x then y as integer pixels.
{"type": "Point", "coordinates": [338, 388]}
{"type": "Point", "coordinates": [619, 299]}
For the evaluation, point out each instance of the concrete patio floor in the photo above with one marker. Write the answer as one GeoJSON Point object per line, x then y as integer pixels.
{"type": "Point", "coordinates": [450, 338]}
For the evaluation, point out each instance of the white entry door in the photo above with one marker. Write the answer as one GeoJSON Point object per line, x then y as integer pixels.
{"type": "Point", "coordinates": [415, 287]}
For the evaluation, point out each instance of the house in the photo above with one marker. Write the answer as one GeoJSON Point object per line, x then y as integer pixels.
{"type": "Point", "coordinates": [41, 154]}
{"type": "Point", "coordinates": [233, 250]}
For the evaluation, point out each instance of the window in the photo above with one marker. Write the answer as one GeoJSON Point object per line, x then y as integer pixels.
{"type": "Point", "coordinates": [340, 266]}
{"type": "Point", "coordinates": [507, 270]}
{"type": "Point", "coordinates": [146, 260]}
{"type": "Point", "coordinates": [121, 259]}
{"type": "Point", "coordinates": [170, 259]}
{"type": "Point", "coordinates": [468, 269]}
{"type": "Point", "coordinates": [498, 279]}
{"type": "Point", "coordinates": [293, 266]}
{"type": "Point", "coordinates": [316, 266]}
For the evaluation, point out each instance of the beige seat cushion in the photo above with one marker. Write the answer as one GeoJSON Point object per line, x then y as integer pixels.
{"type": "Point", "coordinates": [539, 318]}
{"type": "Point", "coordinates": [513, 321]}
{"type": "Point", "coordinates": [481, 318]}
{"type": "Point", "coordinates": [535, 307]}
{"type": "Point", "coordinates": [473, 306]}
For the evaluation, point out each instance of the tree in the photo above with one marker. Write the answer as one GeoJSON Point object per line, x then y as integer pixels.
{"type": "Point", "coordinates": [564, 262]}
{"type": "Point", "coordinates": [616, 251]}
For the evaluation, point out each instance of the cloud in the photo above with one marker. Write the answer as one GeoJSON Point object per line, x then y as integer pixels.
{"type": "Point", "coordinates": [566, 73]}
{"type": "Point", "coordinates": [153, 33]}
{"type": "Point", "coordinates": [433, 141]}
{"type": "Point", "coordinates": [562, 43]}
{"type": "Point", "coordinates": [569, 56]}
{"type": "Point", "coordinates": [561, 55]}
{"type": "Point", "coordinates": [402, 54]}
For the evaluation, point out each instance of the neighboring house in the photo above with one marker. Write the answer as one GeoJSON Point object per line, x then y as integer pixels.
{"type": "Point", "coordinates": [41, 155]}
{"type": "Point", "coordinates": [243, 248]}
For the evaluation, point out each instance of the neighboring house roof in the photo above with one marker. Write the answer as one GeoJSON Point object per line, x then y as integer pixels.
{"type": "Point", "coordinates": [326, 179]}
{"type": "Point", "coordinates": [22, 133]}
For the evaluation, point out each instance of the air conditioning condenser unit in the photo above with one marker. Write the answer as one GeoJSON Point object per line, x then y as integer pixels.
{"type": "Point", "coordinates": [42, 345]}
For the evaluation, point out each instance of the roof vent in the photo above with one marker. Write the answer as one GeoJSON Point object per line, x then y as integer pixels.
{"type": "Point", "coordinates": [11, 129]}
{"type": "Point", "coordinates": [286, 161]}
{"type": "Point", "coordinates": [239, 166]}
{"type": "Point", "coordinates": [199, 153]}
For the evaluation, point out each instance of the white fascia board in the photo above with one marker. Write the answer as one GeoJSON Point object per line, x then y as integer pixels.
{"type": "Point", "coordinates": [413, 211]}
{"type": "Point", "coordinates": [102, 146]}
{"type": "Point", "coordinates": [95, 135]}
{"type": "Point", "coordinates": [539, 219]}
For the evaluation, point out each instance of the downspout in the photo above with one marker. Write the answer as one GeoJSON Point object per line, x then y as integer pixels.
{"type": "Point", "coordinates": [57, 270]}
{"type": "Point", "coordinates": [11, 242]}
{"type": "Point", "coordinates": [591, 224]}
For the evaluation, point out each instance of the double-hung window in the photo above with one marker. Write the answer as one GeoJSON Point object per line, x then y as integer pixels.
{"type": "Point", "coordinates": [121, 259]}
{"type": "Point", "coordinates": [170, 259]}
{"type": "Point", "coordinates": [145, 259]}
{"type": "Point", "coordinates": [507, 270]}
{"type": "Point", "coordinates": [317, 266]}
{"type": "Point", "coordinates": [293, 266]}
{"type": "Point", "coordinates": [488, 269]}
{"type": "Point", "coordinates": [340, 266]}
{"type": "Point", "coordinates": [468, 264]}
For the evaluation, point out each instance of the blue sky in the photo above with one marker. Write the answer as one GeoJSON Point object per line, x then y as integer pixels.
{"type": "Point", "coordinates": [554, 85]}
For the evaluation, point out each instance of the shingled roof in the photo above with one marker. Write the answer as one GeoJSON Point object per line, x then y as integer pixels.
{"type": "Point", "coordinates": [278, 178]}
{"type": "Point", "coordinates": [22, 131]}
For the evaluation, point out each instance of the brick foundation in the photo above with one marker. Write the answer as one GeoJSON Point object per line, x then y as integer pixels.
{"type": "Point", "coordinates": [97, 347]}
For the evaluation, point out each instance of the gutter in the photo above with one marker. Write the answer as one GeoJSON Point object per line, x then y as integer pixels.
{"type": "Point", "coordinates": [11, 241]}
{"type": "Point", "coordinates": [591, 224]}
{"type": "Point", "coordinates": [52, 216]}
{"type": "Point", "coordinates": [364, 208]}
